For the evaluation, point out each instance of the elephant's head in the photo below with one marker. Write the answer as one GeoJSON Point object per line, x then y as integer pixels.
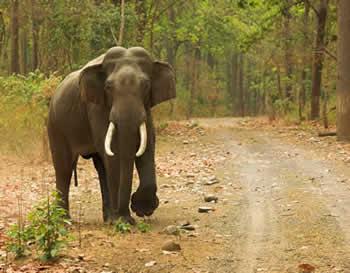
{"type": "Point", "coordinates": [127, 82]}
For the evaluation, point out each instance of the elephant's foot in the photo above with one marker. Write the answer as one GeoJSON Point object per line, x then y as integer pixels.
{"type": "Point", "coordinates": [127, 218]}
{"type": "Point", "coordinates": [144, 202]}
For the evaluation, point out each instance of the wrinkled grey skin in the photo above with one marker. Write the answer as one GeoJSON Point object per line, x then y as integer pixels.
{"type": "Point", "coordinates": [120, 86]}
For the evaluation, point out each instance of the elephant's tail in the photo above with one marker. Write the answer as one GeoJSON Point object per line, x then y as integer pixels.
{"type": "Point", "coordinates": [75, 173]}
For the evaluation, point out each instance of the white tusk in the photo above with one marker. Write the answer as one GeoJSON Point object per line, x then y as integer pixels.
{"type": "Point", "coordinates": [143, 141]}
{"type": "Point", "coordinates": [108, 139]}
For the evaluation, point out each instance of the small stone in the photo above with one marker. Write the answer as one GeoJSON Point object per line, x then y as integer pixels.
{"type": "Point", "coordinates": [306, 268]}
{"type": "Point", "coordinates": [106, 265]}
{"type": "Point", "coordinates": [81, 257]}
{"type": "Point", "coordinates": [171, 230]}
{"type": "Point", "coordinates": [150, 264]}
{"type": "Point", "coordinates": [187, 226]}
{"type": "Point", "coordinates": [213, 178]}
{"type": "Point", "coordinates": [209, 183]}
{"type": "Point", "coordinates": [211, 198]}
{"type": "Point", "coordinates": [171, 246]}
{"type": "Point", "coordinates": [205, 209]}
{"type": "Point", "coordinates": [185, 142]}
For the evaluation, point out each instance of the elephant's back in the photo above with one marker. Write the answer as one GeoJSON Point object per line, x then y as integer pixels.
{"type": "Point", "coordinates": [67, 89]}
{"type": "Point", "coordinates": [68, 116]}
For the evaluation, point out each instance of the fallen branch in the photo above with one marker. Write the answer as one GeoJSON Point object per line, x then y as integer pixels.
{"type": "Point", "coordinates": [324, 134]}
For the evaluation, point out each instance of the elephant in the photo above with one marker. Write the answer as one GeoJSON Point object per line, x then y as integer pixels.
{"type": "Point", "coordinates": [103, 112]}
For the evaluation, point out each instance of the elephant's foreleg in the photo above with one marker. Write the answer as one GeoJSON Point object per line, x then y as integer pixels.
{"type": "Point", "coordinates": [144, 201]}
{"type": "Point", "coordinates": [101, 171]}
{"type": "Point", "coordinates": [113, 181]}
{"type": "Point", "coordinates": [126, 174]}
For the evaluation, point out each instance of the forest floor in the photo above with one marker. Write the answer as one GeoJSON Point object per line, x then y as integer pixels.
{"type": "Point", "coordinates": [283, 204]}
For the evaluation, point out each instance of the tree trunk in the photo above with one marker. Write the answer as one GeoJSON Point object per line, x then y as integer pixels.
{"type": "Point", "coordinates": [302, 93]}
{"type": "Point", "coordinates": [288, 50]}
{"type": "Point", "coordinates": [15, 67]}
{"type": "Point", "coordinates": [233, 85]}
{"type": "Point", "coordinates": [279, 85]}
{"type": "Point", "coordinates": [122, 22]}
{"type": "Point", "coordinates": [35, 36]}
{"type": "Point", "coordinates": [171, 54]}
{"type": "Point", "coordinates": [343, 79]}
{"type": "Point", "coordinates": [141, 12]}
{"type": "Point", "coordinates": [241, 85]}
{"type": "Point", "coordinates": [194, 82]}
{"type": "Point", "coordinates": [318, 57]}
{"type": "Point", "coordinates": [24, 52]}
{"type": "Point", "coordinates": [2, 33]}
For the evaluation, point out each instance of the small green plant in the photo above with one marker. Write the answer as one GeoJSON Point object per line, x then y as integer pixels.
{"type": "Point", "coordinates": [49, 224]}
{"type": "Point", "coordinates": [122, 227]}
{"type": "Point", "coordinates": [46, 228]}
{"type": "Point", "coordinates": [143, 227]}
{"type": "Point", "coordinates": [19, 236]}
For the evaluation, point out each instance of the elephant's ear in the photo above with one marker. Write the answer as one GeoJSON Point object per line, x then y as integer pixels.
{"type": "Point", "coordinates": [91, 81]}
{"type": "Point", "coordinates": [163, 83]}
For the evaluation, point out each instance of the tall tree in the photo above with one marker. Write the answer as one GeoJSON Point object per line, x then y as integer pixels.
{"type": "Point", "coordinates": [302, 94]}
{"type": "Point", "coordinates": [318, 57]}
{"type": "Point", "coordinates": [122, 22]}
{"type": "Point", "coordinates": [343, 79]}
{"type": "Point", "coordinates": [288, 48]}
{"type": "Point", "coordinates": [15, 67]}
{"type": "Point", "coordinates": [141, 12]}
{"type": "Point", "coordinates": [240, 78]}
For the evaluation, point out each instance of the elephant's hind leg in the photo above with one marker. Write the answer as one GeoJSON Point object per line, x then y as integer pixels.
{"type": "Point", "coordinates": [64, 162]}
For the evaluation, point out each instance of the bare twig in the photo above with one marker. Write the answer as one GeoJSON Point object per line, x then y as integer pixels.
{"type": "Point", "coordinates": [324, 134]}
{"type": "Point", "coordinates": [114, 38]}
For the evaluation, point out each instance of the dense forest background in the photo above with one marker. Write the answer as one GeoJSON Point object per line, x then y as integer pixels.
{"type": "Point", "coordinates": [232, 57]}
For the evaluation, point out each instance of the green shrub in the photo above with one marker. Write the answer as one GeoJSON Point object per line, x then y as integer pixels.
{"type": "Point", "coordinates": [19, 236]}
{"type": "Point", "coordinates": [46, 228]}
{"type": "Point", "coordinates": [49, 224]}
{"type": "Point", "coordinates": [24, 104]}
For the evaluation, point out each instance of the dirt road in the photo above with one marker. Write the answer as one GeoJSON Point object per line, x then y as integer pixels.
{"type": "Point", "coordinates": [281, 204]}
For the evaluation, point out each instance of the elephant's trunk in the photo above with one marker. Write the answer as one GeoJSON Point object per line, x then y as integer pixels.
{"type": "Point", "coordinates": [143, 139]}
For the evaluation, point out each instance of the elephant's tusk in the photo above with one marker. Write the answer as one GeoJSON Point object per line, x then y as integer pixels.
{"type": "Point", "coordinates": [108, 139]}
{"type": "Point", "coordinates": [143, 141]}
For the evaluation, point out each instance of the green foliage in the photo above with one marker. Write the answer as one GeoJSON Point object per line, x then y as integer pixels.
{"type": "Point", "coordinates": [49, 224]}
{"type": "Point", "coordinates": [24, 105]}
{"type": "Point", "coordinates": [122, 227]}
{"type": "Point", "coordinates": [19, 235]}
{"type": "Point", "coordinates": [70, 33]}
{"type": "Point", "coordinates": [46, 229]}
{"type": "Point", "coordinates": [143, 227]}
